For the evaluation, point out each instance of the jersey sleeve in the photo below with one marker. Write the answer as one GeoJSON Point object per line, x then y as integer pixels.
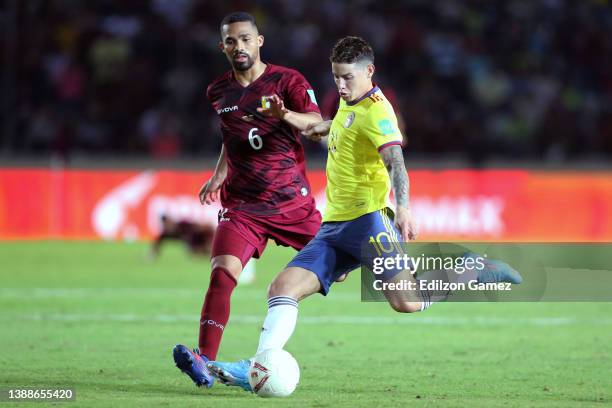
{"type": "Point", "coordinates": [380, 125]}
{"type": "Point", "coordinates": [208, 93]}
{"type": "Point", "coordinates": [300, 96]}
{"type": "Point", "coordinates": [209, 97]}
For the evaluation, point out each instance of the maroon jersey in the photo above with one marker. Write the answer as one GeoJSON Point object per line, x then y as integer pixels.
{"type": "Point", "coordinates": [265, 157]}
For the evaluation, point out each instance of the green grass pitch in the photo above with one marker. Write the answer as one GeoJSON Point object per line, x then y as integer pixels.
{"type": "Point", "coordinates": [99, 318]}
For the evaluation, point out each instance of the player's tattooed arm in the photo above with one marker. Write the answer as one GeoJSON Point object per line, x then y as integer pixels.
{"type": "Point", "coordinates": [394, 162]}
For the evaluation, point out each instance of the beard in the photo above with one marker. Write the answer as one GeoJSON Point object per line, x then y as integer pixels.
{"type": "Point", "coordinates": [242, 65]}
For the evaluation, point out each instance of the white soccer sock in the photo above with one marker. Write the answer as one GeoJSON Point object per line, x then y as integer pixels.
{"type": "Point", "coordinates": [279, 323]}
{"type": "Point", "coordinates": [431, 297]}
{"type": "Point", "coordinates": [425, 300]}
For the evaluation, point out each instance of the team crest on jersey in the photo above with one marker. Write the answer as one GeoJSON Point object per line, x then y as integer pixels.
{"type": "Point", "coordinates": [349, 120]}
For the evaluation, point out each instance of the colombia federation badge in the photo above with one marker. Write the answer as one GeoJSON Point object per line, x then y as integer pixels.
{"type": "Point", "coordinates": [349, 120]}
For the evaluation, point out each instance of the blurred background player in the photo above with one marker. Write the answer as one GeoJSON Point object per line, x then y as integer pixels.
{"type": "Point", "coordinates": [198, 239]}
{"type": "Point", "coordinates": [260, 177]}
{"type": "Point", "coordinates": [364, 162]}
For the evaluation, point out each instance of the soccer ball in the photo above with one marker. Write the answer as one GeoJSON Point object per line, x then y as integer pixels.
{"type": "Point", "coordinates": [274, 373]}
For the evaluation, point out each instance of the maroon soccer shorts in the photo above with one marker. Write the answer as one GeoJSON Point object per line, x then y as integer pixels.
{"type": "Point", "coordinates": [245, 235]}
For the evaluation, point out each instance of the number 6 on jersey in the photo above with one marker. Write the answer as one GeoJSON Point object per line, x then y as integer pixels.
{"type": "Point", "coordinates": [254, 139]}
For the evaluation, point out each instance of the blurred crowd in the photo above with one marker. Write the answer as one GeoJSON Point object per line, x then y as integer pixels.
{"type": "Point", "coordinates": [515, 79]}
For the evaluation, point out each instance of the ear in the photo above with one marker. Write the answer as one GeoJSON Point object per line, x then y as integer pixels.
{"type": "Point", "coordinates": [221, 46]}
{"type": "Point", "coordinates": [371, 69]}
{"type": "Point", "coordinates": [260, 40]}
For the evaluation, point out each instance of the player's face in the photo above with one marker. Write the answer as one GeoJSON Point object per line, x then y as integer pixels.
{"type": "Point", "coordinates": [352, 80]}
{"type": "Point", "coordinates": [240, 42]}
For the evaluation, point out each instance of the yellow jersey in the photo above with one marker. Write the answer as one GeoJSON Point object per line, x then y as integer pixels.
{"type": "Point", "coordinates": [357, 180]}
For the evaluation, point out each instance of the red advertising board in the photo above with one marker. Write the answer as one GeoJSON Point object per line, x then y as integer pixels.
{"type": "Point", "coordinates": [492, 205]}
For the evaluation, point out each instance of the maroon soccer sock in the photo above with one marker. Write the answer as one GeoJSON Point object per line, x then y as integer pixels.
{"type": "Point", "coordinates": [215, 311]}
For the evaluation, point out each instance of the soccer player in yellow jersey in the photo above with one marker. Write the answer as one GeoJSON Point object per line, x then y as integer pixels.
{"type": "Point", "coordinates": [364, 162]}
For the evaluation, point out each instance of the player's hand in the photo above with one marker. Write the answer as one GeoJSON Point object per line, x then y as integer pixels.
{"type": "Point", "coordinates": [209, 193]}
{"type": "Point", "coordinates": [405, 223]}
{"type": "Point", "coordinates": [275, 107]}
{"type": "Point", "coordinates": [316, 131]}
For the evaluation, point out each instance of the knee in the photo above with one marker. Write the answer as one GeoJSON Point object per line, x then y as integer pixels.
{"type": "Point", "coordinates": [294, 283]}
{"type": "Point", "coordinates": [230, 263]}
{"type": "Point", "coordinates": [281, 287]}
{"type": "Point", "coordinates": [405, 307]}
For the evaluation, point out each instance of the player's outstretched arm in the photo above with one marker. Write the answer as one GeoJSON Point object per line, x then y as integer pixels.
{"type": "Point", "coordinates": [275, 107]}
{"type": "Point", "coordinates": [394, 161]}
{"type": "Point", "coordinates": [317, 130]}
{"type": "Point", "coordinates": [209, 192]}
{"type": "Point", "coordinates": [301, 121]}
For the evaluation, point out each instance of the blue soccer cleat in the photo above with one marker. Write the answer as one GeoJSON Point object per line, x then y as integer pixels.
{"type": "Point", "coordinates": [495, 271]}
{"type": "Point", "coordinates": [193, 364]}
{"type": "Point", "coordinates": [234, 374]}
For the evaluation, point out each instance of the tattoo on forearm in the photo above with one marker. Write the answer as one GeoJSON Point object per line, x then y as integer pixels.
{"type": "Point", "coordinates": [394, 161]}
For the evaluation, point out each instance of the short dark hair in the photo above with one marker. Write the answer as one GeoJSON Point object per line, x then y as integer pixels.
{"type": "Point", "coordinates": [237, 17]}
{"type": "Point", "coordinates": [350, 50]}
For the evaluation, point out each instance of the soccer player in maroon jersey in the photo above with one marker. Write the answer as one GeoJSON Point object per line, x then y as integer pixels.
{"type": "Point", "coordinates": [260, 176]}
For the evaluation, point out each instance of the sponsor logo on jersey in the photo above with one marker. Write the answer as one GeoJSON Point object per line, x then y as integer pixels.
{"type": "Point", "coordinates": [222, 214]}
{"type": "Point", "coordinates": [349, 120]}
{"type": "Point", "coordinates": [227, 109]}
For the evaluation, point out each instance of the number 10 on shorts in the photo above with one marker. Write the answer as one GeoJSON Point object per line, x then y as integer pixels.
{"type": "Point", "coordinates": [383, 244]}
